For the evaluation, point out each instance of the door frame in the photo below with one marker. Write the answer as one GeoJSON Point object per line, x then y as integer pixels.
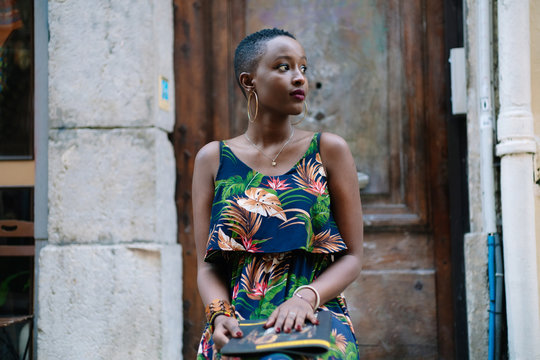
{"type": "Point", "coordinates": [205, 101]}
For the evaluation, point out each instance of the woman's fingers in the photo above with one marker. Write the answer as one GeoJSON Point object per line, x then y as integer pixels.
{"type": "Point", "coordinates": [225, 327]}
{"type": "Point", "coordinates": [277, 318]}
{"type": "Point", "coordinates": [290, 315]}
{"type": "Point", "coordinates": [280, 320]}
{"type": "Point", "coordinates": [220, 338]}
{"type": "Point", "coordinates": [271, 319]}
{"type": "Point", "coordinates": [312, 317]}
{"type": "Point", "coordinates": [232, 327]}
{"type": "Point", "coordinates": [293, 320]}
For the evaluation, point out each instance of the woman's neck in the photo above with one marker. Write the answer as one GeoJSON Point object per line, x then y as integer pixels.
{"type": "Point", "coordinates": [264, 131]}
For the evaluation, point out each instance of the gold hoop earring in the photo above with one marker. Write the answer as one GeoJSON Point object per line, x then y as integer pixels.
{"type": "Point", "coordinates": [256, 106]}
{"type": "Point", "coordinates": [303, 117]}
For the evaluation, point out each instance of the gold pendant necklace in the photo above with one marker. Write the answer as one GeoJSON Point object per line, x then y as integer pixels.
{"type": "Point", "coordinates": [274, 163]}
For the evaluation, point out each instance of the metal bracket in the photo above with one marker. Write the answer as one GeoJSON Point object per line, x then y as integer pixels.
{"type": "Point", "coordinates": [458, 80]}
{"type": "Point", "coordinates": [363, 179]}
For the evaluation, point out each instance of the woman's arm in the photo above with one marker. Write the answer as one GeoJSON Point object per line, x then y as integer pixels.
{"type": "Point", "coordinates": [210, 284]}
{"type": "Point", "coordinates": [347, 211]}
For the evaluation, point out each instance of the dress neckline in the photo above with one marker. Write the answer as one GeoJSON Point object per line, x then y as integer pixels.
{"type": "Point", "coordinates": [313, 138]}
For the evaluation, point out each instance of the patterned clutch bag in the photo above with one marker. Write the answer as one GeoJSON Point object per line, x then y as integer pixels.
{"type": "Point", "coordinates": [312, 340]}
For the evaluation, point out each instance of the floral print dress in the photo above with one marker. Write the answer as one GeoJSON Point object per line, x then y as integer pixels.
{"type": "Point", "coordinates": [272, 234]}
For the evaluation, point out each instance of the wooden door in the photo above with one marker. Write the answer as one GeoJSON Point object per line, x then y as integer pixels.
{"type": "Point", "coordinates": [376, 74]}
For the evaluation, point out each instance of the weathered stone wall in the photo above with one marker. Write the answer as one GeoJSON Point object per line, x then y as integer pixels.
{"type": "Point", "coordinates": [109, 283]}
{"type": "Point", "coordinates": [476, 252]}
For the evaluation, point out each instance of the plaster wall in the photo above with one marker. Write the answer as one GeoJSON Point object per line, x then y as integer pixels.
{"type": "Point", "coordinates": [534, 15]}
{"type": "Point", "coordinates": [109, 284]}
{"type": "Point", "coordinates": [475, 246]}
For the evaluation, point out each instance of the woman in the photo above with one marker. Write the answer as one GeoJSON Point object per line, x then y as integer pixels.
{"type": "Point", "coordinates": [283, 209]}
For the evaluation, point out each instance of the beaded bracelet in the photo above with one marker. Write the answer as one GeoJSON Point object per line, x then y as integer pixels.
{"type": "Point", "coordinates": [317, 296]}
{"type": "Point", "coordinates": [218, 307]}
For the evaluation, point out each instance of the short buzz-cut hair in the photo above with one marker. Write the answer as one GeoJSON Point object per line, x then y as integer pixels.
{"type": "Point", "coordinates": [250, 49]}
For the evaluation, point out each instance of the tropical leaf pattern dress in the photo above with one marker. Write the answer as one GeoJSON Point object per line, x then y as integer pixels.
{"type": "Point", "coordinates": [272, 234]}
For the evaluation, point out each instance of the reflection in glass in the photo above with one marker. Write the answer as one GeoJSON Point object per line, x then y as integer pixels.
{"type": "Point", "coordinates": [16, 204]}
{"type": "Point", "coordinates": [16, 59]}
{"type": "Point", "coordinates": [15, 280]}
{"type": "Point", "coordinates": [15, 340]}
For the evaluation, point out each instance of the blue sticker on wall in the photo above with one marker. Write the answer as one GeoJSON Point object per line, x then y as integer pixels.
{"type": "Point", "coordinates": [164, 93]}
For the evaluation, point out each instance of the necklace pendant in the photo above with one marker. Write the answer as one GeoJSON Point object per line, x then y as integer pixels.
{"type": "Point", "coordinates": [274, 163]}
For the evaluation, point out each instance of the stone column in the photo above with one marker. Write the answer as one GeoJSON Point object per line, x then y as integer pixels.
{"type": "Point", "coordinates": [475, 242]}
{"type": "Point", "coordinates": [110, 279]}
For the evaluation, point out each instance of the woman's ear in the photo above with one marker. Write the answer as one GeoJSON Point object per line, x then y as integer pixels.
{"type": "Point", "coordinates": [246, 81]}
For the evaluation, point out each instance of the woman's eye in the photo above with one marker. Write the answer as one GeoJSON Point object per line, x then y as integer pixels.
{"type": "Point", "coordinates": [283, 67]}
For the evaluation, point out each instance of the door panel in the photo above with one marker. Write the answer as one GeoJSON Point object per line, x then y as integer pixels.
{"type": "Point", "coordinates": [366, 84]}
{"type": "Point", "coordinates": [366, 78]}
{"type": "Point", "coordinates": [375, 72]}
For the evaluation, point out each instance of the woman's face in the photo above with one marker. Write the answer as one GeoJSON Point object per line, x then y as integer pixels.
{"type": "Point", "coordinates": [280, 77]}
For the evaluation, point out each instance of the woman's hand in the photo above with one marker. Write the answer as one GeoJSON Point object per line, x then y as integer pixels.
{"type": "Point", "coordinates": [224, 328]}
{"type": "Point", "coordinates": [292, 314]}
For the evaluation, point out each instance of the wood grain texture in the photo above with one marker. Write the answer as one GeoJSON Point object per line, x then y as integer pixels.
{"type": "Point", "coordinates": [190, 133]}
{"type": "Point", "coordinates": [398, 251]}
{"type": "Point", "coordinates": [437, 144]}
{"type": "Point", "coordinates": [394, 314]}
{"type": "Point", "coordinates": [205, 33]}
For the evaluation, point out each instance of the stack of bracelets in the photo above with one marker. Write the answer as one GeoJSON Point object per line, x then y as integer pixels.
{"type": "Point", "coordinates": [218, 307]}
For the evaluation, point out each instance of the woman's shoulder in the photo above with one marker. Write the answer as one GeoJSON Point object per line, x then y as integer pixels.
{"type": "Point", "coordinates": [208, 152]}
{"type": "Point", "coordinates": [332, 145]}
{"type": "Point", "coordinates": [337, 158]}
{"type": "Point", "coordinates": [209, 155]}
{"type": "Point", "coordinates": [207, 159]}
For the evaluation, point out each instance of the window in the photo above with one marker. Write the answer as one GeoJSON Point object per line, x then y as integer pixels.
{"type": "Point", "coordinates": [17, 179]}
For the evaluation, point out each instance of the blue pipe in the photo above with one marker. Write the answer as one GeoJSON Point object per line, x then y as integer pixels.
{"type": "Point", "coordinates": [496, 283]}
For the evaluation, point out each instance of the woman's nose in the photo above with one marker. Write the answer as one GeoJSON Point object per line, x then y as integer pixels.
{"type": "Point", "coordinates": [298, 78]}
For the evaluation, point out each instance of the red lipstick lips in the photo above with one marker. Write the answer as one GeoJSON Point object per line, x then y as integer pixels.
{"type": "Point", "coordinates": [298, 94]}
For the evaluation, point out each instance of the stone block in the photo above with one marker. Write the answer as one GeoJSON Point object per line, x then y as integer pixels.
{"type": "Point", "coordinates": [110, 302]}
{"type": "Point", "coordinates": [111, 78]}
{"type": "Point", "coordinates": [476, 270]}
{"type": "Point", "coordinates": [111, 186]}
{"type": "Point", "coordinates": [164, 59]}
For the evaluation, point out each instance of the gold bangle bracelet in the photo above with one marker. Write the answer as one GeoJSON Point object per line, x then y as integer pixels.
{"type": "Point", "coordinates": [317, 296]}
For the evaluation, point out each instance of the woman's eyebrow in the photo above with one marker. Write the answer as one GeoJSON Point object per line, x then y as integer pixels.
{"type": "Point", "coordinates": [287, 57]}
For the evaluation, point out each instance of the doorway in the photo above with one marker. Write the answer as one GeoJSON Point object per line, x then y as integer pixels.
{"type": "Point", "coordinates": [377, 78]}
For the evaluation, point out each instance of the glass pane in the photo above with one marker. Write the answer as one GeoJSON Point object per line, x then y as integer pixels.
{"type": "Point", "coordinates": [16, 66]}
{"type": "Point", "coordinates": [16, 204]}
{"type": "Point", "coordinates": [15, 340]}
{"type": "Point", "coordinates": [16, 284]}
{"type": "Point", "coordinates": [16, 241]}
